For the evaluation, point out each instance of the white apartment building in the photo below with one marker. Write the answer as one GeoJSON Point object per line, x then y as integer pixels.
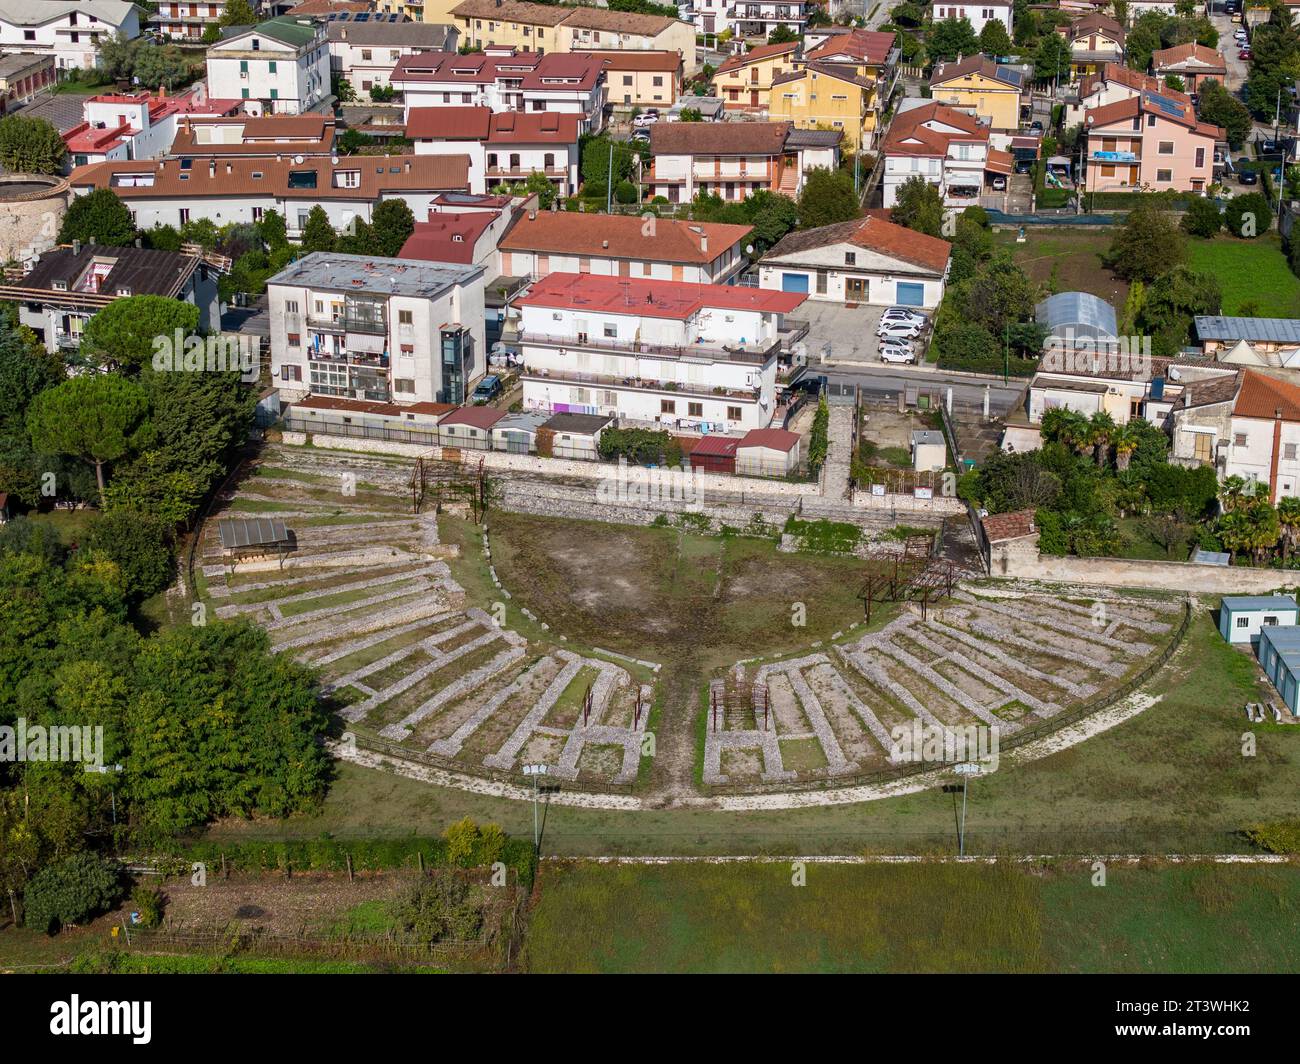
{"type": "Point", "coordinates": [280, 66]}
{"type": "Point", "coordinates": [135, 125]}
{"type": "Point", "coordinates": [365, 53]}
{"type": "Point", "coordinates": [66, 29]}
{"type": "Point", "coordinates": [758, 18]}
{"type": "Point", "coordinates": [186, 19]}
{"type": "Point", "coordinates": [175, 191]}
{"type": "Point", "coordinates": [979, 12]}
{"type": "Point", "coordinates": [503, 148]}
{"type": "Point", "coordinates": [677, 356]}
{"type": "Point", "coordinates": [377, 329]}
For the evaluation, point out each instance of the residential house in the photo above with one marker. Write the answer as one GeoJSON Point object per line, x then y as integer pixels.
{"type": "Point", "coordinates": [621, 245]}
{"type": "Point", "coordinates": [66, 29]}
{"type": "Point", "coordinates": [1150, 142]}
{"type": "Point", "coordinates": [827, 96]}
{"type": "Point", "coordinates": [946, 147]}
{"type": "Point", "coordinates": [698, 357]}
{"type": "Point", "coordinates": [23, 75]}
{"type": "Point", "coordinates": [979, 13]}
{"type": "Point", "coordinates": [364, 54]}
{"type": "Point", "coordinates": [990, 91]}
{"type": "Point", "coordinates": [1191, 62]}
{"type": "Point", "coordinates": [545, 28]}
{"type": "Point", "coordinates": [1095, 40]}
{"type": "Point", "coordinates": [873, 55]}
{"type": "Point", "coordinates": [280, 66]}
{"type": "Point", "coordinates": [760, 18]}
{"type": "Point", "coordinates": [503, 148]}
{"type": "Point", "coordinates": [175, 191]}
{"type": "Point", "coordinates": [380, 329]}
{"type": "Point", "coordinates": [735, 159]}
{"type": "Point", "coordinates": [461, 237]}
{"type": "Point", "coordinates": [744, 80]}
{"type": "Point", "coordinates": [640, 78]}
{"type": "Point", "coordinates": [1111, 84]}
{"type": "Point", "coordinates": [1264, 447]}
{"type": "Point", "coordinates": [1009, 541]}
{"type": "Point", "coordinates": [241, 136]}
{"type": "Point", "coordinates": [69, 284]}
{"type": "Point", "coordinates": [1272, 342]}
{"type": "Point", "coordinates": [867, 260]}
{"type": "Point", "coordinates": [135, 125]}
{"type": "Point", "coordinates": [186, 20]}
{"type": "Point", "coordinates": [505, 80]}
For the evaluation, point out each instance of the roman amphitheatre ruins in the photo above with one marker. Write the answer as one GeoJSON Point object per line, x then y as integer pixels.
{"type": "Point", "coordinates": [651, 659]}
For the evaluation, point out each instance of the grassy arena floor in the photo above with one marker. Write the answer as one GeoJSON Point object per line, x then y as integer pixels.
{"type": "Point", "coordinates": [914, 918]}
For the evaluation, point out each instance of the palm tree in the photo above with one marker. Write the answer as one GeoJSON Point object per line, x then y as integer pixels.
{"type": "Point", "coordinates": [1234, 532]}
{"type": "Point", "coordinates": [1101, 428]}
{"type": "Point", "coordinates": [1232, 493]}
{"type": "Point", "coordinates": [1125, 441]}
{"type": "Point", "coordinates": [1265, 529]}
{"type": "Point", "coordinates": [1288, 516]}
{"type": "Point", "coordinates": [1064, 426]}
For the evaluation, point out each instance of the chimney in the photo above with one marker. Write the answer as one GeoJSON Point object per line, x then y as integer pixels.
{"type": "Point", "coordinates": [139, 243]}
{"type": "Point", "coordinates": [229, 168]}
{"type": "Point", "coordinates": [212, 168]}
{"type": "Point", "coordinates": [704, 242]}
{"type": "Point", "coordinates": [605, 244]}
{"type": "Point", "coordinates": [532, 216]}
{"type": "Point", "coordinates": [76, 247]}
{"type": "Point", "coordinates": [408, 166]}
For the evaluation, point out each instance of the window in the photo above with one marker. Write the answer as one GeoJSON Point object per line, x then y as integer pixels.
{"type": "Point", "coordinates": [627, 79]}
{"type": "Point", "coordinates": [1151, 121]}
{"type": "Point", "coordinates": [1269, 622]}
{"type": "Point", "coordinates": [295, 339]}
{"type": "Point", "coordinates": [1166, 147]}
{"type": "Point", "coordinates": [1203, 447]}
{"type": "Point", "coordinates": [667, 406]}
{"type": "Point", "coordinates": [365, 55]}
{"type": "Point", "coordinates": [733, 413]}
{"type": "Point", "coordinates": [291, 373]}
{"type": "Point", "coordinates": [1200, 158]}
{"type": "Point", "coordinates": [695, 409]}
{"type": "Point", "coordinates": [850, 258]}
{"type": "Point", "coordinates": [404, 385]}
{"type": "Point", "coordinates": [29, 35]}
{"type": "Point", "coordinates": [657, 81]}
{"type": "Point", "coordinates": [1243, 622]}
{"type": "Point", "coordinates": [271, 68]}
{"type": "Point", "coordinates": [1288, 451]}
{"type": "Point", "coordinates": [408, 349]}
{"type": "Point", "coordinates": [610, 331]}
{"type": "Point", "coordinates": [291, 306]}
{"type": "Point", "coordinates": [1164, 176]}
{"type": "Point", "coordinates": [1239, 439]}
{"type": "Point", "coordinates": [405, 317]}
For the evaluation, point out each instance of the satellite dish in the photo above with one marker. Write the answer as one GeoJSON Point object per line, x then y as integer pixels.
{"type": "Point", "coordinates": [297, 159]}
{"type": "Point", "coordinates": [1175, 373]}
{"type": "Point", "coordinates": [749, 249]}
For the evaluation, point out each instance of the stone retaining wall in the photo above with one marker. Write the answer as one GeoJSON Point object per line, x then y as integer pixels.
{"type": "Point", "coordinates": [1167, 576]}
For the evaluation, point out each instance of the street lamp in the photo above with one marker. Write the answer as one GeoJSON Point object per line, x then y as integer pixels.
{"type": "Point", "coordinates": [965, 770]}
{"type": "Point", "coordinates": [103, 770]}
{"type": "Point", "coordinates": [537, 772]}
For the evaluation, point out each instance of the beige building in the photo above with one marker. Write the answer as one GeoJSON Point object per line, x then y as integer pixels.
{"type": "Point", "coordinates": [641, 78]}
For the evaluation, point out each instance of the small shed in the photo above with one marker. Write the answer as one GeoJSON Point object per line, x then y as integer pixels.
{"type": "Point", "coordinates": [1276, 642]}
{"type": "Point", "coordinates": [469, 427]}
{"type": "Point", "coordinates": [1243, 617]}
{"type": "Point", "coordinates": [929, 451]}
{"type": "Point", "coordinates": [245, 538]}
{"type": "Point", "coordinates": [715, 453]}
{"type": "Point", "coordinates": [1009, 539]}
{"type": "Point", "coordinates": [517, 433]}
{"type": "Point", "coordinates": [575, 435]}
{"type": "Point", "coordinates": [768, 453]}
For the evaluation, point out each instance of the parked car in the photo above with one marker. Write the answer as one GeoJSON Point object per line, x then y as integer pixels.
{"type": "Point", "coordinates": [488, 389]}
{"type": "Point", "coordinates": [905, 330]}
{"type": "Point", "coordinates": [1248, 177]}
{"type": "Point", "coordinates": [999, 183]}
{"type": "Point", "coordinates": [641, 135]}
{"type": "Point", "coordinates": [1245, 53]}
{"type": "Point", "coordinates": [903, 314]}
{"type": "Point", "coordinates": [898, 356]}
{"type": "Point", "coordinates": [646, 118]}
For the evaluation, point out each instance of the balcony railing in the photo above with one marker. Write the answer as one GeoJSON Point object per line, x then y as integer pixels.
{"type": "Point", "coordinates": [613, 382]}
{"type": "Point", "coordinates": [751, 353]}
{"type": "Point", "coordinates": [349, 323]}
{"type": "Point", "coordinates": [350, 358]}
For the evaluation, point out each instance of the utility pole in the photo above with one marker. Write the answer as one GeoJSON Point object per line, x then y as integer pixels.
{"type": "Point", "coordinates": [609, 179]}
{"type": "Point", "coordinates": [537, 772]}
{"type": "Point", "coordinates": [965, 770]}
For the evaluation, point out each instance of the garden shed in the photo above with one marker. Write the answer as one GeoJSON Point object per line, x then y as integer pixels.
{"type": "Point", "coordinates": [1243, 617]}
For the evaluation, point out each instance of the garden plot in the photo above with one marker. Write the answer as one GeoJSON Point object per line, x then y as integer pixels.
{"type": "Point", "coordinates": [367, 597]}
{"type": "Point", "coordinates": [999, 661]}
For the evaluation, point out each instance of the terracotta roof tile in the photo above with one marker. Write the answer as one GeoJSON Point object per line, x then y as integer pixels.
{"type": "Point", "coordinates": [763, 51]}
{"type": "Point", "coordinates": [621, 236]}
{"type": "Point", "coordinates": [1266, 397]}
{"type": "Point", "coordinates": [718, 138]}
{"type": "Point", "coordinates": [1014, 525]}
{"type": "Point", "coordinates": [1202, 58]}
{"type": "Point", "coordinates": [873, 234]}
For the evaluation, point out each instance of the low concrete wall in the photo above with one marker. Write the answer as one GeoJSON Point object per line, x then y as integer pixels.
{"type": "Point", "coordinates": [1168, 576]}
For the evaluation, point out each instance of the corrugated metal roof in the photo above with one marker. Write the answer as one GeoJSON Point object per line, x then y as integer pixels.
{"type": "Point", "coordinates": [251, 532]}
{"type": "Point", "coordinates": [1218, 327]}
{"type": "Point", "coordinates": [1258, 602]}
{"type": "Point", "coordinates": [1083, 312]}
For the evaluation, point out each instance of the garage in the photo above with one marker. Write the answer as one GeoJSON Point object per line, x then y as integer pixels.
{"type": "Point", "coordinates": [794, 282]}
{"type": "Point", "coordinates": [910, 294]}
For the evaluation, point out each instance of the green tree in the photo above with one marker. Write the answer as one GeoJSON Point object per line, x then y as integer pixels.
{"type": "Point", "coordinates": [1248, 215]}
{"type": "Point", "coordinates": [1172, 301]}
{"type": "Point", "coordinates": [1144, 39]}
{"type": "Point", "coordinates": [951, 37]}
{"type": "Point", "coordinates": [782, 35]}
{"type": "Point", "coordinates": [139, 544]}
{"type": "Point", "coordinates": [317, 233]}
{"type": "Point", "coordinates": [391, 225]}
{"type": "Point", "coordinates": [994, 39]}
{"type": "Point", "coordinates": [1220, 107]}
{"type": "Point", "coordinates": [1052, 58]}
{"type": "Point", "coordinates": [98, 217]}
{"type": "Point", "coordinates": [128, 332]}
{"type": "Point", "coordinates": [70, 891]}
{"type": "Point", "coordinates": [1202, 217]}
{"type": "Point", "coordinates": [31, 146]}
{"type": "Point", "coordinates": [237, 13]}
{"type": "Point", "coordinates": [93, 417]}
{"type": "Point", "coordinates": [999, 296]}
{"type": "Point", "coordinates": [274, 229]}
{"type": "Point", "coordinates": [918, 206]}
{"type": "Point", "coordinates": [1147, 245]}
{"type": "Point", "coordinates": [827, 197]}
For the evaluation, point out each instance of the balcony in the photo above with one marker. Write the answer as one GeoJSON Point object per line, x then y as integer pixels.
{"type": "Point", "coordinates": [613, 382]}
{"type": "Point", "coordinates": [350, 358]}
{"type": "Point", "coordinates": [349, 323]}
{"type": "Point", "coordinates": [755, 354]}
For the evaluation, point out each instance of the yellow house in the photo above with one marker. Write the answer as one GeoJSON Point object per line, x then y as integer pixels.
{"type": "Point", "coordinates": [436, 12]}
{"type": "Point", "coordinates": [744, 82]}
{"type": "Point", "coordinates": [874, 56]}
{"type": "Point", "coordinates": [510, 23]}
{"type": "Point", "coordinates": [826, 96]}
{"type": "Point", "coordinates": [982, 87]}
{"type": "Point", "coordinates": [637, 78]}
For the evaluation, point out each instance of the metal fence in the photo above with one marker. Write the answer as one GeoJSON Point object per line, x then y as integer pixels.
{"type": "Point", "coordinates": [420, 437]}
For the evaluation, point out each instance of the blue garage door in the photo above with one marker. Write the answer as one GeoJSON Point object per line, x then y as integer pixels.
{"type": "Point", "coordinates": [794, 282]}
{"type": "Point", "coordinates": [911, 295]}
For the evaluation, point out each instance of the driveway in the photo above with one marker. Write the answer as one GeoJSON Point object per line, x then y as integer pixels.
{"type": "Point", "coordinates": [1237, 68]}
{"type": "Point", "coordinates": [840, 333]}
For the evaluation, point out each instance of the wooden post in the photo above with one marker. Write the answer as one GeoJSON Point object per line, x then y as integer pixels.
{"type": "Point", "coordinates": [225, 872]}
{"type": "Point", "coordinates": [420, 857]}
{"type": "Point", "coordinates": [349, 857]}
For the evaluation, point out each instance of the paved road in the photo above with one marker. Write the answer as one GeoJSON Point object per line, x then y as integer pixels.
{"type": "Point", "coordinates": [1237, 68]}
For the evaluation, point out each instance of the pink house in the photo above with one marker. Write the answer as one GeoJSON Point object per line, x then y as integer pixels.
{"type": "Point", "coordinates": [1151, 142]}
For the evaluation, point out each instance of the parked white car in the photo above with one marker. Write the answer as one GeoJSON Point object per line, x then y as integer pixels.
{"type": "Point", "coordinates": [902, 314]}
{"type": "Point", "coordinates": [899, 356]}
{"type": "Point", "coordinates": [906, 330]}
{"type": "Point", "coordinates": [649, 118]}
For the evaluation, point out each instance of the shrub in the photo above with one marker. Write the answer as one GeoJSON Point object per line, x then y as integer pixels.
{"type": "Point", "coordinates": [1202, 218]}
{"type": "Point", "coordinates": [439, 908]}
{"type": "Point", "coordinates": [70, 891]}
{"type": "Point", "coordinates": [149, 903]}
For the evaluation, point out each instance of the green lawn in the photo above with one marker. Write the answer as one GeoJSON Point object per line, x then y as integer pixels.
{"type": "Point", "coordinates": [914, 918]}
{"type": "Point", "coordinates": [1249, 271]}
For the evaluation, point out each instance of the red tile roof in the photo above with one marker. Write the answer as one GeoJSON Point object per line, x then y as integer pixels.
{"type": "Point", "coordinates": [622, 236]}
{"type": "Point", "coordinates": [481, 124]}
{"type": "Point", "coordinates": [763, 51]}
{"type": "Point", "coordinates": [862, 46]}
{"type": "Point", "coordinates": [1197, 57]}
{"type": "Point", "coordinates": [1015, 525]}
{"type": "Point", "coordinates": [448, 236]}
{"type": "Point", "coordinates": [449, 123]}
{"type": "Point", "coordinates": [478, 417]}
{"type": "Point", "coordinates": [365, 406]}
{"type": "Point", "coordinates": [715, 444]}
{"type": "Point", "coordinates": [718, 138]}
{"type": "Point", "coordinates": [772, 439]}
{"type": "Point", "coordinates": [1096, 118]}
{"type": "Point", "coordinates": [874, 234]}
{"type": "Point", "coordinates": [912, 132]}
{"type": "Point", "coordinates": [646, 59]}
{"type": "Point", "coordinates": [1262, 396]}
{"type": "Point", "coordinates": [676, 300]}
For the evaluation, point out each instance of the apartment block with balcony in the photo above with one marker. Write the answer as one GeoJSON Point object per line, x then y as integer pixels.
{"type": "Point", "coordinates": [949, 149]}
{"type": "Point", "coordinates": [377, 329]}
{"type": "Point", "coordinates": [744, 80]}
{"type": "Point", "coordinates": [734, 160]}
{"type": "Point", "coordinates": [758, 18]}
{"type": "Point", "coordinates": [365, 54]}
{"type": "Point", "coordinates": [69, 284]}
{"type": "Point", "coordinates": [979, 13]}
{"type": "Point", "coordinates": [679, 356]}
{"type": "Point", "coordinates": [1094, 40]}
{"type": "Point", "coordinates": [504, 148]}
{"type": "Point", "coordinates": [280, 66]}
{"type": "Point", "coordinates": [1150, 142]}
{"type": "Point", "coordinates": [186, 19]}
{"type": "Point", "coordinates": [827, 96]}
{"type": "Point", "coordinates": [69, 30]}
